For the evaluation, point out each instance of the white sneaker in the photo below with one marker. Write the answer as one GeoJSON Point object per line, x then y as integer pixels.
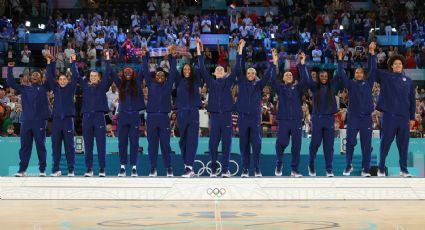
{"type": "Point", "coordinates": [170, 172]}
{"type": "Point", "coordinates": [226, 174]}
{"type": "Point", "coordinates": [296, 174]}
{"type": "Point", "coordinates": [405, 174]}
{"type": "Point", "coordinates": [42, 174]}
{"type": "Point", "coordinates": [20, 174]}
{"type": "Point", "coordinates": [381, 174]}
{"type": "Point", "coordinates": [71, 174]}
{"type": "Point", "coordinates": [365, 174]}
{"type": "Point", "coordinates": [310, 172]}
{"type": "Point", "coordinates": [122, 172]}
{"type": "Point", "coordinates": [89, 173]}
{"type": "Point", "coordinates": [245, 173]}
{"type": "Point", "coordinates": [348, 170]}
{"type": "Point", "coordinates": [278, 171]}
{"type": "Point", "coordinates": [134, 172]}
{"type": "Point", "coordinates": [329, 174]}
{"type": "Point", "coordinates": [153, 173]}
{"type": "Point", "coordinates": [258, 173]}
{"type": "Point", "coordinates": [188, 173]}
{"type": "Point", "coordinates": [56, 174]}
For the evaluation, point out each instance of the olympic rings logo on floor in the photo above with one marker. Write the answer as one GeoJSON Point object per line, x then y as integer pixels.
{"type": "Point", "coordinates": [207, 167]}
{"type": "Point", "coordinates": [216, 192]}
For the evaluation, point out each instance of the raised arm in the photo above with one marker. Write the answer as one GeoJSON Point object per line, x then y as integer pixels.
{"type": "Point", "coordinates": [268, 74]}
{"type": "Point", "coordinates": [242, 72]}
{"type": "Point", "coordinates": [51, 72]}
{"type": "Point", "coordinates": [104, 80]}
{"type": "Point", "coordinates": [340, 73]}
{"type": "Point", "coordinates": [201, 63]}
{"type": "Point", "coordinates": [274, 81]}
{"type": "Point", "coordinates": [10, 79]}
{"type": "Point", "coordinates": [144, 71]}
{"type": "Point", "coordinates": [73, 65]}
{"type": "Point", "coordinates": [237, 68]}
{"type": "Point", "coordinates": [302, 68]}
{"type": "Point", "coordinates": [173, 66]}
{"type": "Point", "coordinates": [371, 65]}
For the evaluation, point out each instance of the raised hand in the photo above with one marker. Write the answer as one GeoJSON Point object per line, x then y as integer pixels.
{"type": "Point", "coordinates": [49, 58]}
{"type": "Point", "coordinates": [172, 50]}
{"type": "Point", "coordinates": [372, 47]}
{"type": "Point", "coordinates": [242, 43]}
{"type": "Point", "coordinates": [340, 54]}
{"type": "Point", "coordinates": [72, 58]}
{"type": "Point", "coordinates": [301, 58]}
{"type": "Point", "coordinates": [275, 56]}
{"type": "Point", "coordinates": [106, 54]}
{"type": "Point", "coordinates": [144, 51]}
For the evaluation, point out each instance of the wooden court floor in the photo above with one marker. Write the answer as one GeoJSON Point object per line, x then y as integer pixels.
{"type": "Point", "coordinates": [108, 215]}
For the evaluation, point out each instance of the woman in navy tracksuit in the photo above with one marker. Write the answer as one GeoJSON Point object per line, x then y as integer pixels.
{"type": "Point", "coordinates": [220, 104]}
{"type": "Point", "coordinates": [290, 118]}
{"type": "Point", "coordinates": [158, 108]}
{"type": "Point", "coordinates": [397, 103]}
{"type": "Point", "coordinates": [63, 114]}
{"type": "Point", "coordinates": [95, 106]}
{"type": "Point", "coordinates": [324, 108]}
{"type": "Point", "coordinates": [35, 112]}
{"type": "Point", "coordinates": [188, 103]}
{"type": "Point", "coordinates": [131, 102]}
{"type": "Point", "coordinates": [248, 106]}
{"type": "Point", "coordinates": [360, 110]}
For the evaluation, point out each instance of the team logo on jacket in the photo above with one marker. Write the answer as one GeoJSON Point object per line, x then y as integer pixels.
{"type": "Point", "coordinates": [404, 79]}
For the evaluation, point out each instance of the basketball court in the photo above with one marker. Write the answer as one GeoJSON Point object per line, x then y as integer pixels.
{"type": "Point", "coordinates": [204, 203]}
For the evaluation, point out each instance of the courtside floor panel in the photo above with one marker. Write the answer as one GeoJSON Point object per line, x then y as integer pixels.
{"type": "Point", "coordinates": [175, 189]}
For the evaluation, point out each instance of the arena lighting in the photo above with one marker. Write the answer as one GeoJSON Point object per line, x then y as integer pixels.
{"type": "Point", "coordinates": [27, 23]}
{"type": "Point", "coordinates": [394, 30]}
{"type": "Point", "coordinates": [341, 27]}
{"type": "Point", "coordinates": [41, 26]}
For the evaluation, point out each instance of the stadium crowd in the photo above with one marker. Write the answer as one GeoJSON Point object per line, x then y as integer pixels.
{"type": "Point", "coordinates": [317, 28]}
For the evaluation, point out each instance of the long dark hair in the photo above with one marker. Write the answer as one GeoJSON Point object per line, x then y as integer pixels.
{"type": "Point", "coordinates": [133, 90]}
{"type": "Point", "coordinates": [328, 92]}
{"type": "Point", "coordinates": [190, 80]}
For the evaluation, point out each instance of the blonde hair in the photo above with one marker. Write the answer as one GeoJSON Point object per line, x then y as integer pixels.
{"type": "Point", "coordinates": [252, 69]}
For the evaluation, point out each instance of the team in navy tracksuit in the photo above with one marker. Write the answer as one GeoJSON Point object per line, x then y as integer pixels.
{"type": "Point", "coordinates": [131, 102]}
{"type": "Point", "coordinates": [359, 118]}
{"type": "Point", "coordinates": [35, 112]}
{"type": "Point", "coordinates": [158, 108]}
{"type": "Point", "coordinates": [63, 116]}
{"type": "Point", "coordinates": [397, 103]}
{"type": "Point", "coordinates": [95, 106]}
{"type": "Point", "coordinates": [324, 108]}
{"type": "Point", "coordinates": [290, 118]}
{"type": "Point", "coordinates": [248, 106]}
{"type": "Point", "coordinates": [188, 103]}
{"type": "Point", "coordinates": [220, 104]}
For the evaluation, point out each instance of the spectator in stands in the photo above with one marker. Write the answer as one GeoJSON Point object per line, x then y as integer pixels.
{"type": "Point", "coordinates": [109, 131]}
{"type": "Point", "coordinates": [10, 131]}
{"type": "Point", "coordinates": [3, 98]}
{"type": "Point", "coordinates": [206, 24]}
{"type": "Point", "coordinates": [45, 51]}
{"type": "Point", "coordinates": [316, 54]}
{"type": "Point", "coordinates": [25, 55]}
